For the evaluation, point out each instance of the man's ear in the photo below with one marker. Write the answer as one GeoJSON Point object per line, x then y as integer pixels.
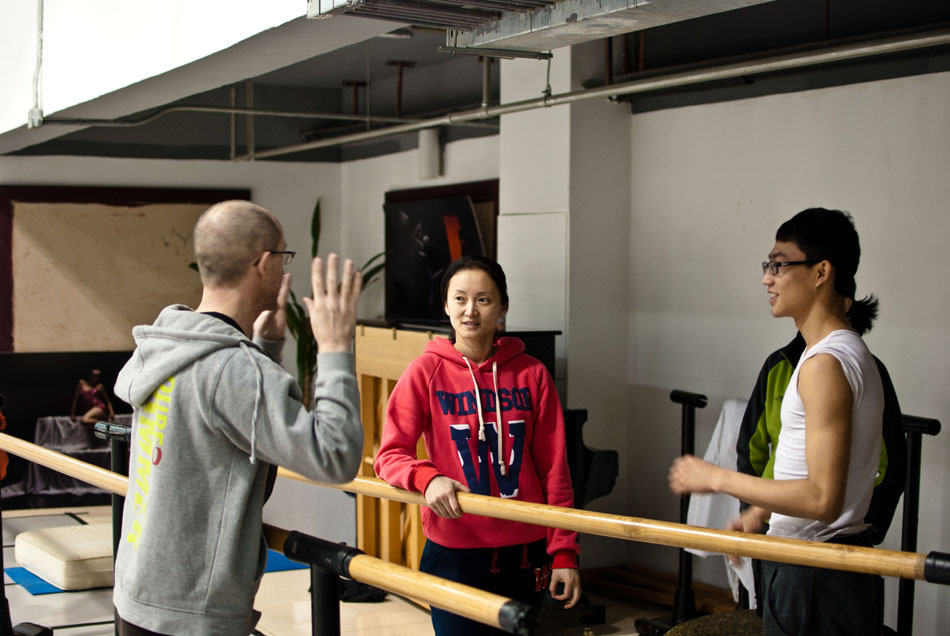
{"type": "Point", "coordinates": [263, 262]}
{"type": "Point", "coordinates": [823, 271]}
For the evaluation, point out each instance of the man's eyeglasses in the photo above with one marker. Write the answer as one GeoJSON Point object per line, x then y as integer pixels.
{"type": "Point", "coordinates": [772, 267]}
{"type": "Point", "coordinates": [288, 256]}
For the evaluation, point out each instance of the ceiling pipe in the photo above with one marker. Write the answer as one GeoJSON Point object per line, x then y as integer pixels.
{"type": "Point", "coordinates": [486, 81]}
{"type": "Point", "coordinates": [894, 44]}
{"type": "Point", "coordinates": [35, 116]}
{"type": "Point", "coordinates": [399, 64]}
{"type": "Point", "coordinates": [356, 85]}
{"type": "Point", "coordinates": [128, 123]}
{"type": "Point", "coordinates": [232, 120]}
{"type": "Point", "coordinates": [249, 120]}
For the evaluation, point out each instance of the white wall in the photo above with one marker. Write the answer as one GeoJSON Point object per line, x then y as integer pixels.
{"type": "Point", "coordinates": [709, 187]}
{"type": "Point", "coordinates": [598, 292]}
{"type": "Point", "coordinates": [289, 190]}
{"type": "Point", "coordinates": [534, 201]}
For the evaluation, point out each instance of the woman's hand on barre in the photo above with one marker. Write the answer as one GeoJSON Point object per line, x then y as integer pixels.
{"type": "Point", "coordinates": [571, 589]}
{"type": "Point", "coordinates": [690, 474]}
{"type": "Point", "coordinates": [440, 496]}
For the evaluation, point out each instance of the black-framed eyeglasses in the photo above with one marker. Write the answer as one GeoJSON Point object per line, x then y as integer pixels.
{"type": "Point", "coordinates": [772, 267]}
{"type": "Point", "coordinates": [288, 256]}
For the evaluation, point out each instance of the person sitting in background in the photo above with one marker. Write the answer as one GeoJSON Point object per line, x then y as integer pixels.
{"type": "Point", "coordinates": [91, 400]}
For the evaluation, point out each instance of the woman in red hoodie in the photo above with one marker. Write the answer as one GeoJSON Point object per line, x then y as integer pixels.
{"type": "Point", "coordinates": [457, 396]}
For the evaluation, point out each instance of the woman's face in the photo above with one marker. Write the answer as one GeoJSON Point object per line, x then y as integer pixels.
{"type": "Point", "coordinates": [473, 305]}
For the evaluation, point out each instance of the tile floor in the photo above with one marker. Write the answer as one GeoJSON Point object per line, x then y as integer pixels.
{"type": "Point", "coordinates": [283, 599]}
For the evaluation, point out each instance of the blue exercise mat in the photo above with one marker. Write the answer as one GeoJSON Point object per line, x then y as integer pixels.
{"type": "Point", "coordinates": [276, 562]}
{"type": "Point", "coordinates": [30, 582]}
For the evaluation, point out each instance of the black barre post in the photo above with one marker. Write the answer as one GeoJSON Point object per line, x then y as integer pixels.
{"type": "Point", "coordinates": [6, 622]}
{"type": "Point", "coordinates": [684, 602]}
{"type": "Point", "coordinates": [684, 605]}
{"type": "Point", "coordinates": [915, 427]}
{"type": "Point", "coordinates": [119, 436]}
{"type": "Point", "coordinates": [328, 561]}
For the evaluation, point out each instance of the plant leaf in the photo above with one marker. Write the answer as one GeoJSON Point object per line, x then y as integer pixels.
{"type": "Point", "coordinates": [372, 260]}
{"type": "Point", "coordinates": [370, 275]}
{"type": "Point", "coordinates": [296, 317]}
{"type": "Point", "coordinates": [315, 229]}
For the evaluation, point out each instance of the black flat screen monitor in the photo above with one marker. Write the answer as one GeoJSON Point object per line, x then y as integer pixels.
{"type": "Point", "coordinates": [422, 238]}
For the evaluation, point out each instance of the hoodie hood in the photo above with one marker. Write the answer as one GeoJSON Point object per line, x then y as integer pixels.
{"type": "Point", "coordinates": [179, 337]}
{"type": "Point", "coordinates": [505, 350]}
{"type": "Point", "coordinates": [159, 353]}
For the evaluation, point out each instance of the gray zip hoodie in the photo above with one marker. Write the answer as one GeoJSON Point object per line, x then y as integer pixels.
{"type": "Point", "coordinates": [213, 413]}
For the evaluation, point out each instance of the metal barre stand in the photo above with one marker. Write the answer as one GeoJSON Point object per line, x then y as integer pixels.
{"type": "Point", "coordinates": [6, 623]}
{"type": "Point", "coordinates": [119, 436]}
{"type": "Point", "coordinates": [328, 561]}
{"type": "Point", "coordinates": [325, 595]}
{"type": "Point", "coordinates": [915, 427]}
{"type": "Point", "coordinates": [684, 602]}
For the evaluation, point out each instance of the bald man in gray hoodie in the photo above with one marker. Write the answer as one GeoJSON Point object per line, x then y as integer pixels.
{"type": "Point", "coordinates": [215, 414]}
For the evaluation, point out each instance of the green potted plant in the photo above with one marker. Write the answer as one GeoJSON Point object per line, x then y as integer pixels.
{"type": "Point", "coordinates": [299, 324]}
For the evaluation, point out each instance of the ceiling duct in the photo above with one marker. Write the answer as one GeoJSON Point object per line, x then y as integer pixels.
{"type": "Point", "coordinates": [570, 22]}
{"type": "Point", "coordinates": [441, 14]}
{"type": "Point", "coordinates": [528, 25]}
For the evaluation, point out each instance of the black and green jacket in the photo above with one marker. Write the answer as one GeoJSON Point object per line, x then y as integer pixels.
{"type": "Point", "coordinates": [761, 425]}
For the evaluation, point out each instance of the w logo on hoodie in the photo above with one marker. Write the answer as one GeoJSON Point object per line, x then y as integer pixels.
{"type": "Point", "coordinates": [478, 479]}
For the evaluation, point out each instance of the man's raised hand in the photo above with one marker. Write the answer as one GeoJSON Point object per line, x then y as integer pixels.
{"type": "Point", "coordinates": [333, 306]}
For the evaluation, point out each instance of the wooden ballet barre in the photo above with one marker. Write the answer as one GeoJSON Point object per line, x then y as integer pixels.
{"type": "Point", "coordinates": [933, 567]}
{"type": "Point", "coordinates": [478, 605]}
{"type": "Point", "coordinates": [89, 473]}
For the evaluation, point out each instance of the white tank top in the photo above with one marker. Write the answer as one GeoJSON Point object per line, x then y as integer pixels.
{"type": "Point", "coordinates": [867, 411]}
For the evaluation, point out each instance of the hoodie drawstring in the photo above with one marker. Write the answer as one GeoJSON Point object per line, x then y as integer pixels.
{"type": "Point", "coordinates": [501, 449]}
{"type": "Point", "coordinates": [481, 419]}
{"type": "Point", "coordinates": [257, 401]}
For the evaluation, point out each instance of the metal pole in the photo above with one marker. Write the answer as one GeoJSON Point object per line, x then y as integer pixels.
{"type": "Point", "coordinates": [915, 428]}
{"type": "Point", "coordinates": [324, 602]}
{"type": "Point", "coordinates": [118, 436]}
{"type": "Point", "coordinates": [6, 624]}
{"type": "Point", "coordinates": [684, 604]}
{"type": "Point", "coordinates": [905, 601]}
{"type": "Point", "coordinates": [120, 464]}
{"type": "Point", "coordinates": [486, 82]}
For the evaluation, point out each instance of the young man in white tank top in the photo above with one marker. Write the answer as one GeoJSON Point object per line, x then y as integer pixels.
{"type": "Point", "coordinates": [828, 452]}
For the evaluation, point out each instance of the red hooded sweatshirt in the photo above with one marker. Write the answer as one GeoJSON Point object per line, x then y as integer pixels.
{"type": "Point", "coordinates": [436, 399]}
